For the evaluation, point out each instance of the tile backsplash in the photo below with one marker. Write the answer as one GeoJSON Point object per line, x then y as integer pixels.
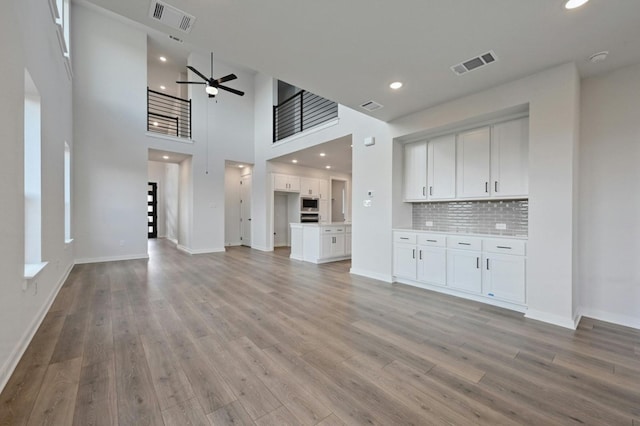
{"type": "Point", "coordinates": [474, 217]}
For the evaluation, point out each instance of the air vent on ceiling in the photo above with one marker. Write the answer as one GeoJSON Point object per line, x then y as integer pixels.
{"type": "Point", "coordinates": [170, 16]}
{"type": "Point", "coordinates": [371, 106]}
{"type": "Point", "coordinates": [474, 63]}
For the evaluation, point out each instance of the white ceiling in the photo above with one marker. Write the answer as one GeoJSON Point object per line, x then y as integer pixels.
{"type": "Point", "coordinates": [165, 73]}
{"type": "Point", "coordinates": [174, 157]}
{"type": "Point", "coordinates": [349, 51]}
{"type": "Point", "coordinates": [337, 152]}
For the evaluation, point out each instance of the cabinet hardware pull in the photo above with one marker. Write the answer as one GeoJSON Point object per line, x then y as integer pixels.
{"type": "Point", "coordinates": [465, 244]}
{"type": "Point", "coordinates": [496, 186]}
{"type": "Point", "coordinates": [404, 238]}
{"type": "Point", "coordinates": [486, 187]}
{"type": "Point", "coordinates": [504, 247]}
{"type": "Point", "coordinates": [420, 254]}
{"type": "Point", "coordinates": [414, 253]}
{"type": "Point", "coordinates": [477, 263]}
{"type": "Point", "coordinates": [424, 189]}
{"type": "Point", "coordinates": [487, 264]}
{"type": "Point", "coordinates": [431, 190]}
{"type": "Point", "coordinates": [432, 241]}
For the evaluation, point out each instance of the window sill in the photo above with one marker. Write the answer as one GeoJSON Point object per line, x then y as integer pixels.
{"type": "Point", "coordinates": [69, 241]}
{"type": "Point", "coordinates": [32, 270]}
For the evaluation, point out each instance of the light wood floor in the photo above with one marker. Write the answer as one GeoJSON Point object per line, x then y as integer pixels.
{"type": "Point", "coordinates": [247, 337]}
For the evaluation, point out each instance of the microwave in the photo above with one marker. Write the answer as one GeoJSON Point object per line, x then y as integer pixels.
{"type": "Point", "coordinates": [309, 204]}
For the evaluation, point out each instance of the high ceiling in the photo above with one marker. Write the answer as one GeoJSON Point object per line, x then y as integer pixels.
{"type": "Point", "coordinates": [337, 155]}
{"type": "Point", "coordinates": [349, 51]}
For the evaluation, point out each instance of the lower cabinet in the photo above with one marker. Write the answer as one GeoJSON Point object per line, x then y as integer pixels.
{"type": "Point", "coordinates": [333, 245]}
{"type": "Point", "coordinates": [492, 268]}
{"type": "Point", "coordinates": [325, 243]}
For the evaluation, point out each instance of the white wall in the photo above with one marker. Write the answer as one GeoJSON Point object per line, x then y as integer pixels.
{"type": "Point", "coordinates": [232, 178]}
{"type": "Point", "coordinates": [172, 200]}
{"type": "Point", "coordinates": [156, 172]}
{"type": "Point", "coordinates": [111, 152]}
{"type": "Point", "coordinates": [28, 40]}
{"type": "Point", "coordinates": [610, 197]}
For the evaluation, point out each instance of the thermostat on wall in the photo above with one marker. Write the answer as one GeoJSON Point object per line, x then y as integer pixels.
{"type": "Point", "coordinates": [369, 141]}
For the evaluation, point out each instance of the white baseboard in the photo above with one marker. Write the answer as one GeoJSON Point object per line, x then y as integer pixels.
{"type": "Point", "coordinates": [234, 244]}
{"type": "Point", "coordinates": [374, 275]}
{"type": "Point", "coordinates": [261, 248]}
{"type": "Point", "coordinates": [200, 251]}
{"type": "Point", "coordinates": [294, 257]}
{"type": "Point", "coordinates": [173, 240]}
{"type": "Point", "coordinates": [111, 258]}
{"type": "Point", "coordinates": [570, 323]}
{"type": "Point", "coordinates": [624, 320]}
{"type": "Point", "coordinates": [10, 365]}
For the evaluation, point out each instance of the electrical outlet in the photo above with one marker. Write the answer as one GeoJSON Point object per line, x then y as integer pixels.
{"type": "Point", "coordinates": [501, 226]}
{"type": "Point", "coordinates": [428, 223]}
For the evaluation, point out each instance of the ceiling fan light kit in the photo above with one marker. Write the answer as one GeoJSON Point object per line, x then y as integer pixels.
{"type": "Point", "coordinates": [212, 84]}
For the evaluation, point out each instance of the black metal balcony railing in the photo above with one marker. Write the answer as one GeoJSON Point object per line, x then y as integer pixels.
{"type": "Point", "coordinates": [300, 112]}
{"type": "Point", "coordinates": [168, 115]}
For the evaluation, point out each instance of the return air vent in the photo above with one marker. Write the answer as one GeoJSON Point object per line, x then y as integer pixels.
{"type": "Point", "coordinates": [371, 106]}
{"type": "Point", "coordinates": [170, 16]}
{"type": "Point", "coordinates": [474, 63]}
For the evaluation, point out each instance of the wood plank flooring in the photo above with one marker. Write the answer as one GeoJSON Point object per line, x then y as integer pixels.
{"type": "Point", "coordinates": [252, 338]}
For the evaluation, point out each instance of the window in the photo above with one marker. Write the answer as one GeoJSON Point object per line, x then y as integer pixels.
{"type": "Point", "coordinates": [67, 193]}
{"type": "Point", "coordinates": [32, 174]}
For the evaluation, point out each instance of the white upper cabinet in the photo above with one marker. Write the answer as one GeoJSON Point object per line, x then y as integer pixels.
{"type": "Point", "coordinates": [286, 183]}
{"type": "Point", "coordinates": [415, 171]}
{"type": "Point", "coordinates": [323, 189]}
{"type": "Point", "coordinates": [510, 158]}
{"type": "Point", "coordinates": [441, 171]}
{"type": "Point", "coordinates": [473, 161]}
{"type": "Point", "coordinates": [309, 187]}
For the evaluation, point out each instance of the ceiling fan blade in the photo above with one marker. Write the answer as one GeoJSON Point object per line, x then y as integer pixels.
{"type": "Point", "coordinates": [229, 89]}
{"type": "Point", "coordinates": [226, 78]}
{"type": "Point", "coordinates": [190, 82]}
{"type": "Point", "coordinates": [198, 73]}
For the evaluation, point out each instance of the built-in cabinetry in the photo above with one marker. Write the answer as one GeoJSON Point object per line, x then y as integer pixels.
{"type": "Point", "coordinates": [492, 269]}
{"type": "Point", "coordinates": [286, 183]}
{"type": "Point", "coordinates": [486, 162]}
{"type": "Point", "coordinates": [320, 243]}
{"type": "Point", "coordinates": [307, 187]}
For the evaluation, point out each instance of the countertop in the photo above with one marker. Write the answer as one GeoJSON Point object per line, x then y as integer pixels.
{"type": "Point", "coordinates": [464, 234]}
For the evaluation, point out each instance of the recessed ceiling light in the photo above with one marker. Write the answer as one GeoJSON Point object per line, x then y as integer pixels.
{"type": "Point", "coordinates": [241, 165]}
{"type": "Point", "coordinates": [166, 157]}
{"type": "Point", "coordinates": [396, 85]}
{"type": "Point", "coordinates": [294, 161]}
{"type": "Point", "coordinates": [163, 59]}
{"type": "Point", "coordinates": [155, 123]}
{"type": "Point", "coordinates": [322, 154]}
{"type": "Point", "coordinates": [162, 87]}
{"type": "Point", "coordinates": [574, 4]}
{"type": "Point", "coordinates": [327, 167]}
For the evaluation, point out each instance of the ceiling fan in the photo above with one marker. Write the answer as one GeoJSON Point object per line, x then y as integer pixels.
{"type": "Point", "coordinates": [213, 84]}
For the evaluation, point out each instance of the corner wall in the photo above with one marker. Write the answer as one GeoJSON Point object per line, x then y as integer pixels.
{"type": "Point", "coordinates": [609, 208]}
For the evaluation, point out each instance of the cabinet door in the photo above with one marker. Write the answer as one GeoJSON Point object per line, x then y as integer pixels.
{"type": "Point", "coordinates": [504, 277]}
{"type": "Point", "coordinates": [415, 171]}
{"type": "Point", "coordinates": [280, 182]}
{"type": "Point", "coordinates": [338, 247]}
{"type": "Point", "coordinates": [294, 183]}
{"type": "Point", "coordinates": [347, 244]}
{"type": "Point", "coordinates": [323, 189]}
{"type": "Point", "coordinates": [323, 211]}
{"type": "Point", "coordinates": [510, 158]}
{"type": "Point", "coordinates": [309, 187]}
{"type": "Point", "coordinates": [473, 163]}
{"type": "Point", "coordinates": [441, 170]}
{"type": "Point", "coordinates": [432, 265]}
{"type": "Point", "coordinates": [463, 270]}
{"type": "Point", "coordinates": [404, 261]}
{"type": "Point", "coordinates": [326, 245]}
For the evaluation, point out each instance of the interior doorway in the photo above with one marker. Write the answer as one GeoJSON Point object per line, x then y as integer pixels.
{"type": "Point", "coordinates": [245, 210]}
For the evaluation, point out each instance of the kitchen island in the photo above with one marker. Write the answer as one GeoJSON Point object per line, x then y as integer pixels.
{"type": "Point", "coordinates": [320, 242]}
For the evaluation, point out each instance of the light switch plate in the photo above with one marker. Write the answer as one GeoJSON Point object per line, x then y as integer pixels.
{"type": "Point", "coordinates": [366, 203]}
{"type": "Point", "coordinates": [501, 226]}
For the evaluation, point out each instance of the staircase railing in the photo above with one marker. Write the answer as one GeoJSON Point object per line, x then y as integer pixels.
{"type": "Point", "coordinates": [300, 112]}
{"type": "Point", "coordinates": [168, 115]}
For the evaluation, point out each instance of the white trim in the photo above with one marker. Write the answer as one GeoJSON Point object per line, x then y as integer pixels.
{"type": "Point", "coordinates": [373, 275]}
{"type": "Point", "coordinates": [294, 257]}
{"type": "Point", "coordinates": [234, 244]}
{"type": "Point", "coordinates": [112, 258]}
{"type": "Point", "coordinates": [307, 132]}
{"type": "Point", "coordinates": [558, 320]}
{"type": "Point", "coordinates": [173, 240]}
{"type": "Point", "coordinates": [32, 270]}
{"type": "Point", "coordinates": [200, 251]}
{"type": "Point", "coordinates": [12, 362]}
{"type": "Point", "coordinates": [261, 248]}
{"type": "Point", "coordinates": [469, 296]}
{"type": "Point", "coordinates": [169, 138]}
{"type": "Point", "coordinates": [69, 241]}
{"type": "Point", "coordinates": [624, 320]}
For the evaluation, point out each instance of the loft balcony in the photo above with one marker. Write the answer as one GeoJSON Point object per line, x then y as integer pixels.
{"type": "Point", "coordinates": [168, 115]}
{"type": "Point", "coordinates": [300, 112]}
